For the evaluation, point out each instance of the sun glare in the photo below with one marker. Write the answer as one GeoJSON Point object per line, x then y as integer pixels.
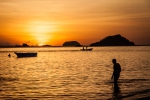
{"type": "Point", "coordinates": [41, 44]}
{"type": "Point", "coordinates": [41, 31]}
{"type": "Point", "coordinates": [40, 28]}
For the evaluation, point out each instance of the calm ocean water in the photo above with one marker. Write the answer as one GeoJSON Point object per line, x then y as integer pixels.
{"type": "Point", "coordinates": [59, 73]}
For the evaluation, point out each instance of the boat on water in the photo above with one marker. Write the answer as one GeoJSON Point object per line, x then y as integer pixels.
{"type": "Point", "coordinates": [26, 54]}
{"type": "Point", "coordinates": [86, 49]}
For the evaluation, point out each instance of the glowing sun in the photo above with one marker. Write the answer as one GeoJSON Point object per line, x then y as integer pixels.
{"type": "Point", "coordinates": [41, 31]}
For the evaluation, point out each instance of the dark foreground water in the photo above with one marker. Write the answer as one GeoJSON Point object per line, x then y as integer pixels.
{"type": "Point", "coordinates": [71, 74]}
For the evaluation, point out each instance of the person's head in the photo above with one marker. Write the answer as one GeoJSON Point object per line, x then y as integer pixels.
{"type": "Point", "coordinates": [114, 61]}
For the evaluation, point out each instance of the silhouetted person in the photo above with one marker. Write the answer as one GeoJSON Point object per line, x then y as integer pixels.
{"type": "Point", "coordinates": [116, 72]}
{"type": "Point", "coordinates": [86, 47]}
{"type": "Point", "coordinates": [83, 49]}
{"type": "Point", "coordinates": [9, 55]}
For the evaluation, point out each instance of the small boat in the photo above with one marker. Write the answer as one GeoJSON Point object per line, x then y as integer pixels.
{"type": "Point", "coordinates": [86, 49]}
{"type": "Point", "coordinates": [26, 54]}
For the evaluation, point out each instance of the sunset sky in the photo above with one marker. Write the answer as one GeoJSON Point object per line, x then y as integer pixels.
{"type": "Point", "coordinates": [86, 21]}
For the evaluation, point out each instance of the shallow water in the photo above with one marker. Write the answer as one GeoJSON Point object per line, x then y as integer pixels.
{"type": "Point", "coordinates": [67, 73]}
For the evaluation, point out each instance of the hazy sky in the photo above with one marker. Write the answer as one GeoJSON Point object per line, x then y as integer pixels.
{"type": "Point", "coordinates": [86, 21]}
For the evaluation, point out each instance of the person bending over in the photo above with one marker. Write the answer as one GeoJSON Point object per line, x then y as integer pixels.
{"type": "Point", "coordinates": [116, 72]}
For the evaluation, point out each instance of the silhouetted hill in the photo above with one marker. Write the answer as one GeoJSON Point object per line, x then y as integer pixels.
{"type": "Point", "coordinates": [71, 43]}
{"type": "Point", "coordinates": [115, 40]}
{"type": "Point", "coordinates": [25, 45]}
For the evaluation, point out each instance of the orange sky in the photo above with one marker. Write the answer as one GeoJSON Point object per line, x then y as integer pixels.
{"type": "Point", "coordinates": [86, 21]}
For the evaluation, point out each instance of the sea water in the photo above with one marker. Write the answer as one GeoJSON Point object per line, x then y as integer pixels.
{"type": "Point", "coordinates": [66, 73]}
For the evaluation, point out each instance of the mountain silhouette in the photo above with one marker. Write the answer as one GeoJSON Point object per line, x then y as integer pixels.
{"type": "Point", "coordinates": [115, 40]}
{"type": "Point", "coordinates": [71, 43]}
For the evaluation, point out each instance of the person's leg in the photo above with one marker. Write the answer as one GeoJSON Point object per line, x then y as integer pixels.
{"type": "Point", "coordinates": [115, 81]}
{"type": "Point", "coordinates": [115, 78]}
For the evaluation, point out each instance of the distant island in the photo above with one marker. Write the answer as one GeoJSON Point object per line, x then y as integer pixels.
{"type": "Point", "coordinates": [115, 40]}
{"type": "Point", "coordinates": [71, 43]}
{"type": "Point", "coordinates": [23, 45]}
